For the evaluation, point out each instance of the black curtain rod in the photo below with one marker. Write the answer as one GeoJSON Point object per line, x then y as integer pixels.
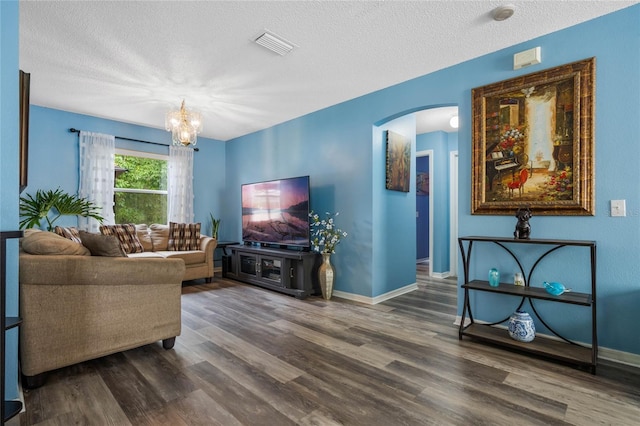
{"type": "Point", "coordinates": [72, 130]}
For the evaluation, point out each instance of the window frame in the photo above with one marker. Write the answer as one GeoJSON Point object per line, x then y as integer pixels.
{"type": "Point", "coordinates": [142, 154]}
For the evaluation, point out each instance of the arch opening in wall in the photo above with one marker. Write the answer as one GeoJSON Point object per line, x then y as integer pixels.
{"type": "Point", "coordinates": [437, 119]}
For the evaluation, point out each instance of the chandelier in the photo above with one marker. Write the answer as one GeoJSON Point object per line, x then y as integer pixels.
{"type": "Point", "coordinates": [184, 126]}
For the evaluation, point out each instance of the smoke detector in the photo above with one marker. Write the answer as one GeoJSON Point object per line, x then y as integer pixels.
{"type": "Point", "coordinates": [503, 12]}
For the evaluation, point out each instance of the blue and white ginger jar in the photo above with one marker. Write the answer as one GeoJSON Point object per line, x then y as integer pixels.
{"type": "Point", "coordinates": [521, 327]}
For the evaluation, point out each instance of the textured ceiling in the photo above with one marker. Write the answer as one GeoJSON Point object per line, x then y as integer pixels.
{"type": "Point", "coordinates": [132, 61]}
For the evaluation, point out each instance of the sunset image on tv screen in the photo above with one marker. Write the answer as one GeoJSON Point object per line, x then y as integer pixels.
{"type": "Point", "coordinates": [276, 212]}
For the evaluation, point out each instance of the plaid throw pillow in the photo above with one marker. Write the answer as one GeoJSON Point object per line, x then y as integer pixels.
{"type": "Point", "coordinates": [127, 236]}
{"type": "Point", "coordinates": [184, 236]}
{"type": "Point", "coordinates": [69, 233]}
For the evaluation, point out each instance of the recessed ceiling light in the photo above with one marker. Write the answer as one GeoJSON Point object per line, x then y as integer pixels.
{"type": "Point", "coordinates": [503, 12]}
{"type": "Point", "coordinates": [453, 122]}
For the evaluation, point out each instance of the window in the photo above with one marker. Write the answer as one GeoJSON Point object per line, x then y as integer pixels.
{"type": "Point", "coordinates": [140, 187]}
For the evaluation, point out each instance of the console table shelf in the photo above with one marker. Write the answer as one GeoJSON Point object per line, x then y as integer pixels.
{"type": "Point", "coordinates": [9, 408]}
{"type": "Point", "coordinates": [542, 346]}
{"type": "Point", "coordinates": [11, 322]}
{"type": "Point", "coordinates": [563, 349]}
{"type": "Point", "coordinates": [540, 293]}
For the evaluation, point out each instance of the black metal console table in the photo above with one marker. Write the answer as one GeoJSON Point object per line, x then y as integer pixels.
{"type": "Point", "coordinates": [9, 408]}
{"type": "Point", "coordinates": [564, 349]}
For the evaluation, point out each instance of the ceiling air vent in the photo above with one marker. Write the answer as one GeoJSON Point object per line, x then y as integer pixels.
{"type": "Point", "coordinates": [274, 43]}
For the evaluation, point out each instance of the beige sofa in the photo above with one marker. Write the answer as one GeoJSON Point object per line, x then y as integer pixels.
{"type": "Point", "coordinates": [76, 307]}
{"type": "Point", "coordinates": [198, 263]}
{"type": "Point", "coordinates": [142, 241]}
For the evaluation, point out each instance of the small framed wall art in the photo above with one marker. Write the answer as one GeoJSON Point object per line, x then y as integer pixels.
{"type": "Point", "coordinates": [398, 162]}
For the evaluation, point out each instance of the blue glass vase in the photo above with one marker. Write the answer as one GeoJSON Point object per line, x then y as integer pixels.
{"type": "Point", "coordinates": [494, 277]}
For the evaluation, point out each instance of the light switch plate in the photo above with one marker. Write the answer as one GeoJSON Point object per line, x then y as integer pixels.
{"type": "Point", "coordinates": [618, 208]}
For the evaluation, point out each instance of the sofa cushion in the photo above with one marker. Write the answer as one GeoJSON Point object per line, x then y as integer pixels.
{"type": "Point", "coordinates": [145, 254]}
{"type": "Point", "coordinates": [102, 245]}
{"type": "Point", "coordinates": [69, 233]}
{"type": "Point", "coordinates": [51, 243]}
{"type": "Point", "coordinates": [191, 257]}
{"type": "Point", "coordinates": [184, 236]}
{"type": "Point", "coordinates": [142, 230]}
{"type": "Point", "coordinates": [159, 236]}
{"type": "Point", "coordinates": [126, 234]}
{"type": "Point", "coordinates": [30, 231]}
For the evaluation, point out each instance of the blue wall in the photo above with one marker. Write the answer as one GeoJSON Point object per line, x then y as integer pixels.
{"type": "Point", "coordinates": [54, 158]}
{"type": "Point", "coordinates": [394, 250]}
{"type": "Point", "coordinates": [337, 157]}
{"type": "Point", "coordinates": [9, 135]}
{"type": "Point", "coordinates": [336, 148]}
{"type": "Point", "coordinates": [617, 176]}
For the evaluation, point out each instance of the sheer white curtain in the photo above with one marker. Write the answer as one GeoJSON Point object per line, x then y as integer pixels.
{"type": "Point", "coordinates": [180, 184]}
{"type": "Point", "coordinates": [97, 176]}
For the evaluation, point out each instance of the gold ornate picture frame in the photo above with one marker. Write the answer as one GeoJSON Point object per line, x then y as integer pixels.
{"type": "Point", "coordinates": [533, 143]}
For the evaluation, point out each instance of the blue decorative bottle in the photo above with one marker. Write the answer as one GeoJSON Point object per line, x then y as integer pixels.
{"type": "Point", "coordinates": [494, 277]}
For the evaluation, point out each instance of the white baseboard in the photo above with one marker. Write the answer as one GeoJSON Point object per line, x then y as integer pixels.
{"type": "Point", "coordinates": [377, 299]}
{"type": "Point", "coordinates": [21, 395]}
{"type": "Point", "coordinates": [441, 275]}
{"type": "Point", "coordinates": [620, 357]}
{"type": "Point", "coordinates": [608, 354]}
{"type": "Point", "coordinates": [458, 319]}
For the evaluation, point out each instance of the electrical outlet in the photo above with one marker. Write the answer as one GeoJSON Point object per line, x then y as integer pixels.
{"type": "Point", "coordinates": [618, 208]}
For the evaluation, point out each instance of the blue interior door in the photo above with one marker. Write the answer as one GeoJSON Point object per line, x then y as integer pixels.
{"type": "Point", "coordinates": [422, 208]}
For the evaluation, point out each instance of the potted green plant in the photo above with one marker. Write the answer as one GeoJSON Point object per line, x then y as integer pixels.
{"type": "Point", "coordinates": [33, 209]}
{"type": "Point", "coordinates": [215, 225]}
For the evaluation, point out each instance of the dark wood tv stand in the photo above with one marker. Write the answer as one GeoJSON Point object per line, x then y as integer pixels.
{"type": "Point", "coordinates": [287, 271]}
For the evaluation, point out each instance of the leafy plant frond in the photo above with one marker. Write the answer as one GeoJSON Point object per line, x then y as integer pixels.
{"type": "Point", "coordinates": [215, 224]}
{"type": "Point", "coordinates": [33, 209]}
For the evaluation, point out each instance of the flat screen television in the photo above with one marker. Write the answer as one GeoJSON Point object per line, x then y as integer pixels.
{"type": "Point", "coordinates": [276, 213]}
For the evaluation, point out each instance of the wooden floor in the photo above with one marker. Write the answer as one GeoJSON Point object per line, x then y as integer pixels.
{"type": "Point", "coordinates": [249, 356]}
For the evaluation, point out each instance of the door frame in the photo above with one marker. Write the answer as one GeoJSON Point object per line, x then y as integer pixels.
{"type": "Point", "coordinates": [453, 213]}
{"type": "Point", "coordinates": [429, 153]}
